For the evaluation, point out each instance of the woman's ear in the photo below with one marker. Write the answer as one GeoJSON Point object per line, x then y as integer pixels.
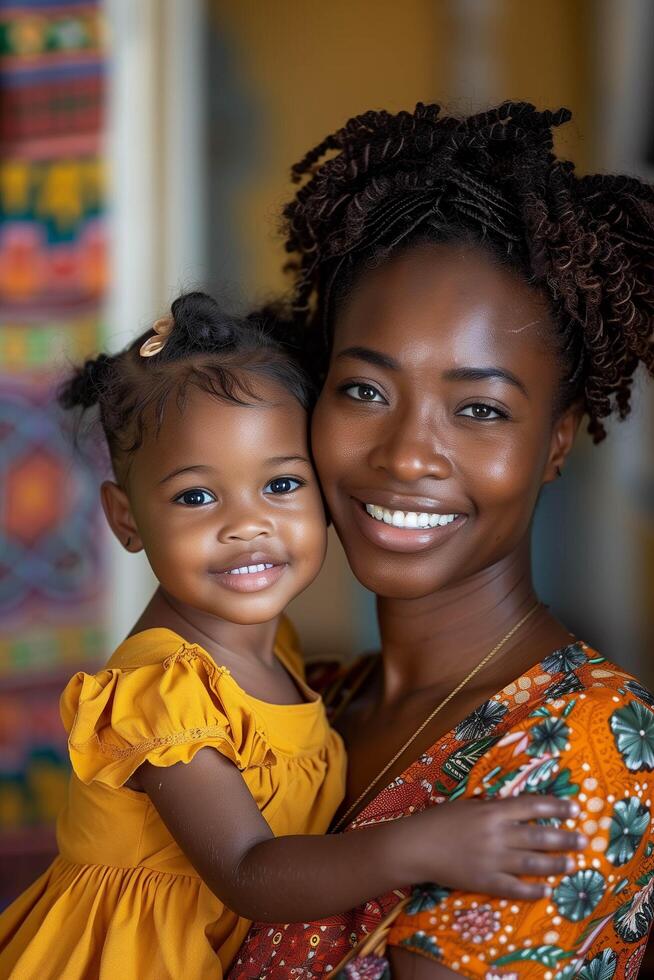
{"type": "Point", "coordinates": [564, 432]}
{"type": "Point", "coordinates": [118, 512]}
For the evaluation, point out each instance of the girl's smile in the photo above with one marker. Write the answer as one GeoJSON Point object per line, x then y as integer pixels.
{"type": "Point", "coordinates": [251, 572]}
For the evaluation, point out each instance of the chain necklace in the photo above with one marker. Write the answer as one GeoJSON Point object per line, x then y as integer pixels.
{"type": "Point", "coordinates": [439, 707]}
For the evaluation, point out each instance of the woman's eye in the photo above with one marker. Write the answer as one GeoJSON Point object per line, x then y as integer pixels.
{"type": "Point", "coordinates": [363, 393]}
{"type": "Point", "coordinates": [282, 484]}
{"type": "Point", "coordinates": [195, 498]}
{"type": "Point", "coordinates": [480, 411]}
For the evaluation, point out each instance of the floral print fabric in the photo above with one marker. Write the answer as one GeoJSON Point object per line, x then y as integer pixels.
{"type": "Point", "coordinates": [575, 726]}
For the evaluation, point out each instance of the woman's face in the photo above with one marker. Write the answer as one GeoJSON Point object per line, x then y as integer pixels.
{"type": "Point", "coordinates": [434, 432]}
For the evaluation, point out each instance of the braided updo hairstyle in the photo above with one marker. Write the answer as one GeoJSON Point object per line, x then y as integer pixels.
{"type": "Point", "coordinates": [206, 349]}
{"type": "Point", "coordinates": [385, 182]}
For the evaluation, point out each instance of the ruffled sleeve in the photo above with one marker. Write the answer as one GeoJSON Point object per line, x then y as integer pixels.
{"type": "Point", "coordinates": [594, 746]}
{"type": "Point", "coordinates": [161, 712]}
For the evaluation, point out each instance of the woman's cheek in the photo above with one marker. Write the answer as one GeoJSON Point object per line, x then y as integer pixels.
{"type": "Point", "coordinates": [507, 471]}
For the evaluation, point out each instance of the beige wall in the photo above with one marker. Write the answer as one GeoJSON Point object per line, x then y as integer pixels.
{"type": "Point", "coordinates": [311, 65]}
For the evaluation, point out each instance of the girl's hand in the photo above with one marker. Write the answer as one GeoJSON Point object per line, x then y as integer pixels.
{"type": "Point", "coordinates": [489, 846]}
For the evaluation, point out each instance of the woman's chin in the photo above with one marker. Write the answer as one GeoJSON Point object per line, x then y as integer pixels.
{"type": "Point", "coordinates": [395, 577]}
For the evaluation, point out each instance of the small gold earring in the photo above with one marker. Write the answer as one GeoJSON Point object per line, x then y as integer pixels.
{"type": "Point", "coordinates": [128, 542]}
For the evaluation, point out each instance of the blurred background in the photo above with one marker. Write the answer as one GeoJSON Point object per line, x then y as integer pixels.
{"type": "Point", "coordinates": [145, 148]}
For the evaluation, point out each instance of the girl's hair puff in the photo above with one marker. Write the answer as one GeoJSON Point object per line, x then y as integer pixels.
{"type": "Point", "coordinates": [385, 182]}
{"type": "Point", "coordinates": [207, 349]}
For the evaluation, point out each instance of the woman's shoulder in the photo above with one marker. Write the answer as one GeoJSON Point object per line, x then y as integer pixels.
{"type": "Point", "coordinates": [567, 677]}
{"type": "Point", "coordinates": [577, 674]}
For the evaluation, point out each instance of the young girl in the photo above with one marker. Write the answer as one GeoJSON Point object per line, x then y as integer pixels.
{"type": "Point", "coordinates": [204, 769]}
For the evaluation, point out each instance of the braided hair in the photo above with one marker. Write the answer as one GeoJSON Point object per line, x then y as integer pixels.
{"type": "Point", "coordinates": [206, 349]}
{"type": "Point", "coordinates": [389, 181]}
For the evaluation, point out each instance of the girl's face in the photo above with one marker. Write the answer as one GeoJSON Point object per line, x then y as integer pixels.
{"type": "Point", "coordinates": [434, 432]}
{"type": "Point", "coordinates": [227, 506]}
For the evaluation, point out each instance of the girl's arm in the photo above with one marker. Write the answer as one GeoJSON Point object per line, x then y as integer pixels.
{"type": "Point", "coordinates": [475, 845]}
{"type": "Point", "coordinates": [408, 966]}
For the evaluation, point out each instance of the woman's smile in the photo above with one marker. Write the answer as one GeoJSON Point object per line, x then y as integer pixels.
{"type": "Point", "coordinates": [404, 530]}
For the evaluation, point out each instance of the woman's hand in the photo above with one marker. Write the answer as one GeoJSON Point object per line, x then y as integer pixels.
{"type": "Point", "coordinates": [490, 846]}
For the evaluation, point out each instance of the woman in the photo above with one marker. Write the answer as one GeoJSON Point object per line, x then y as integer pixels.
{"type": "Point", "coordinates": [474, 300]}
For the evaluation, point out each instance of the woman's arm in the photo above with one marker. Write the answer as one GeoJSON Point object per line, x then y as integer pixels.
{"type": "Point", "coordinates": [210, 812]}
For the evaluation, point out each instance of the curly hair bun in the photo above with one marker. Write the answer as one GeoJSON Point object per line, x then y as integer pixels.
{"type": "Point", "coordinates": [200, 326]}
{"type": "Point", "coordinates": [85, 386]}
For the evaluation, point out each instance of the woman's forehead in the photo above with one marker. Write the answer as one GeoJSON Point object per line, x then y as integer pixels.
{"type": "Point", "coordinates": [444, 298]}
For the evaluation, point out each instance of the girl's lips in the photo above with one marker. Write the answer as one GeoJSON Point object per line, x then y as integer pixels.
{"type": "Point", "coordinates": [252, 581]}
{"type": "Point", "coordinates": [400, 539]}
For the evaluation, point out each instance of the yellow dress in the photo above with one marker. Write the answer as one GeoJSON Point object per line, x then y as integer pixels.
{"type": "Point", "coordinates": [121, 902]}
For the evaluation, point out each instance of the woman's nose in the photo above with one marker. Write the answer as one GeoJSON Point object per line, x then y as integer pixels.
{"type": "Point", "coordinates": [409, 451]}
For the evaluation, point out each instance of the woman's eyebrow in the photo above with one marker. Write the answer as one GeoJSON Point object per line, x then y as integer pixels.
{"type": "Point", "coordinates": [482, 374]}
{"type": "Point", "coordinates": [371, 356]}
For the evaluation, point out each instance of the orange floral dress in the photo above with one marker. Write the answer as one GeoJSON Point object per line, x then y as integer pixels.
{"type": "Point", "coordinates": [575, 726]}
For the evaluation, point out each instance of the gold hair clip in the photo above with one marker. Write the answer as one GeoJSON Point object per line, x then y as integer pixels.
{"type": "Point", "coordinates": [162, 329]}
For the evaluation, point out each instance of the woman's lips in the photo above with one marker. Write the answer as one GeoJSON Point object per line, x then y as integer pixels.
{"type": "Point", "coordinates": [403, 539]}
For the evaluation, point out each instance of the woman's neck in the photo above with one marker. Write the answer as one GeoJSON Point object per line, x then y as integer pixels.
{"type": "Point", "coordinates": [437, 639]}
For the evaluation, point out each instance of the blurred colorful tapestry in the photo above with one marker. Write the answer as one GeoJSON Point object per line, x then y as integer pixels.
{"type": "Point", "coordinates": [53, 275]}
{"type": "Point", "coordinates": [53, 272]}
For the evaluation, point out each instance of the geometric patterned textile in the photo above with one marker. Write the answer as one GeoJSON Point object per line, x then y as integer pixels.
{"type": "Point", "coordinates": [53, 281]}
{"type": "Point", "coordinates": [50, 533]}
{"type": "Point", "coordinates": [53, 278]}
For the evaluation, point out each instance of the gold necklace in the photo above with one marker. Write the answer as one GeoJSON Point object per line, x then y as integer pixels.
{"type": "Point", "coordinates": [439, 707]}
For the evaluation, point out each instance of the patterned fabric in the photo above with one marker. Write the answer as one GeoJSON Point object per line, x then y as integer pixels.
{"type": "Point", "coordinates": [53, 274]}
{"type": "Point", "coordinates": [575, 726]}
{"type": "Point", "coordinates": [51, 70]}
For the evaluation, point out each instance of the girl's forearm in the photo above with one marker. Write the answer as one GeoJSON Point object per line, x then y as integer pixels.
{"type": "Point", "coordinates": [301, 878]}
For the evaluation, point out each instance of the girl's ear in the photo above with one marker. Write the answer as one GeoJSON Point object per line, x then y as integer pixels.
{"type": "Point", "coordinates": [563, 437]}
{"type": "Point", "coordinates": [118, 512]}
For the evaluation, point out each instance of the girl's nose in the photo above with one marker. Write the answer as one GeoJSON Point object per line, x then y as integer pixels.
{"type": "Point", "coordinates": [410, 451]}
{"type": "Point", "coordinates": [245, 526]}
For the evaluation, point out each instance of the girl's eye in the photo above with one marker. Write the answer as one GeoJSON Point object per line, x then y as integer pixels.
{"type": "Point", "coordinates": [282, 484]}
{"type": "Point", "coordinates": [483, 412]}
{"type": "Point", "coordinates": [195, 498]}
{"type": "Point", "coordinates": [363, 393]}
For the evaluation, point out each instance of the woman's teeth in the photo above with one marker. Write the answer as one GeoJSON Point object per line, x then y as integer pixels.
{"type": "Point", "coordinates": [249, 569]}
{"type": "Point", "coordinates": [411, 519]}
